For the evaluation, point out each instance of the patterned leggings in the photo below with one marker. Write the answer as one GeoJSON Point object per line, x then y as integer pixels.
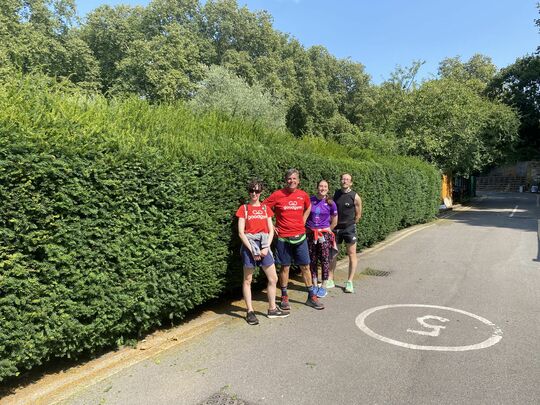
{"type": "Point", "coordinates": [319, 252]}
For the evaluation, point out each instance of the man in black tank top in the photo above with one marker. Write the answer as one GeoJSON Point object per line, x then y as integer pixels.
{"type": "Point", "coordinates": [349, 205]}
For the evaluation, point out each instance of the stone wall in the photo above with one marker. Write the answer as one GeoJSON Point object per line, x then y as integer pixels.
{"type": "Point", "coordinates": [529, 170]}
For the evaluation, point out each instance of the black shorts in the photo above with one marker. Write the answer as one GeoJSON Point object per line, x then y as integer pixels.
{"type": "Point", "coordinates": [347, 235]}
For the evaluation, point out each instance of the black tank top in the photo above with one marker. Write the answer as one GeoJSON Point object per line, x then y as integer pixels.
{"type": "Point", "coordinates": [345, 208]}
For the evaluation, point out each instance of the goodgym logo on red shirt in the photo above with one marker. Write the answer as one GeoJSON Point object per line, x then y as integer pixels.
{"type": "Point", "coordinates": [294, 205]}
{"type": "Point", "coordinates": [257, 214]}
{"type": "Point", "coordinates": [289, 208]}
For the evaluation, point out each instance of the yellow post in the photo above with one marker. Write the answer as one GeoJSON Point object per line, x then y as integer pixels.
{"type": "Point", "coordinates": [446, 191]}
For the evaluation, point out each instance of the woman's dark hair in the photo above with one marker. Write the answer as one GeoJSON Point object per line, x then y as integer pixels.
{"type": "Point", "coordinates": [329, 201]}
{"type": "Point", "coordinates": [255, 184]}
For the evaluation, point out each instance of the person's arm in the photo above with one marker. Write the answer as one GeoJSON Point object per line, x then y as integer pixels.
{"type": "Point", "coordinates": [270, 230]}
{"type": "Point", "coordinates": [333, 222]}
{"type": "Point", "coordinates": [357, 208]}
{"type": "Point", "coordinates": [307, 207]}
{"type": "Point", "coordinates": [333, 216]}
{"type": "Point", "coordinates": [270, 201]}
{"type": "Point", "coordinates": [306, 213]}
{"type": "Point", "coordinates": [243, 237]}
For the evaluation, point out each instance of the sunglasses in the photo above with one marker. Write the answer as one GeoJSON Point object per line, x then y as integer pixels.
{"type": "Point", "coordinates": [255, 191]}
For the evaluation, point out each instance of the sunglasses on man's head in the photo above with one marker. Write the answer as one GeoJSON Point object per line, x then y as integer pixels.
{"type": "Point", "coordinates": [253, 190]}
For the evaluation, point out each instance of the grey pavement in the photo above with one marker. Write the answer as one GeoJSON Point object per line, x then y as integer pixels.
{"type": "Point", "coordinates": [459, 324]}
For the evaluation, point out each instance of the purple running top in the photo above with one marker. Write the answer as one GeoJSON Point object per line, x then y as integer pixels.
{"type": "Point", "coordinates": [321, 213]}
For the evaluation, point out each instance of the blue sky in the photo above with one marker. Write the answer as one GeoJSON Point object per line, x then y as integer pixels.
{"type": "Point", "coordinates": [382, 34]}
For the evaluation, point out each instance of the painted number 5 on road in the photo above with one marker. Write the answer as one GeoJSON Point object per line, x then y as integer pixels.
{"type": "Point", "coordinates": [432, 329]}
{"type": "Point", "coordinates": [436, 329]}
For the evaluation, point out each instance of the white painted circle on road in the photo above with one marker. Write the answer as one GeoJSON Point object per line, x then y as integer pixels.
{"type": "Point", "coordinates": [493, 339]}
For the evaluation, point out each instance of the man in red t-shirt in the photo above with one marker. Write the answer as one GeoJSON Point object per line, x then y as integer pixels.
{"type": "Point", "coordinates": [292, 207]}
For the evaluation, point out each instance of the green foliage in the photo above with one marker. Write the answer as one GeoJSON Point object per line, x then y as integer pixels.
{"type": "Point", "coordinates": [158, 53]}
{"type": "Point", "coordinates": [382, 108]}
{"type": "Point", "coordinates": [404, 78]}
{"type": "Point", "coordinates": [476, 72]}
{"type": "Point", "coordinates": [229, 94]}
{"type": "Point", "coordinates": [161, 53]}
{"type": "Point", "coordinates": [518, 86]}
{"type": "Point", "coordinates": [385, 144]}
{"type": "Point", "coordinates": [108, 32]}
{"type": "Point", "coordinates": [164, 68]}
{"type": "Point", "coordinates": [448, 122]}
{"type": "Point", "coordinates": [118, 215]}
{"type": "Point", "coordinates": [39, 36]}
{"type": "Point", "coordinates": [451, 125]}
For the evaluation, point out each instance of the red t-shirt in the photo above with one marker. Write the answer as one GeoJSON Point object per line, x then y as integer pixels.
{"type": "Point", "coordinates": [257, 218]}
{"type": "Point", "coordinates": [289, 208]}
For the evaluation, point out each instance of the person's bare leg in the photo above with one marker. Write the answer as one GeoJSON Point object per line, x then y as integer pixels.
{"type": "Point", "coordinates": [353, 260]}
{"type": "Point", "coordinates": [284, 276]}
{"type": "Point", "coordinates": [271, 276]}
{"type": "Point", "coordinates": [246, 287]}
{"type": "Point", "coordinates": [332, 268]}
{"type": "Point", "coordinates": [306, 275]}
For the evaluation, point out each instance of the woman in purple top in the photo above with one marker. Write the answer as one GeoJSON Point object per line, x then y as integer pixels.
{"type": "Point", "coordinates": [319, 227]}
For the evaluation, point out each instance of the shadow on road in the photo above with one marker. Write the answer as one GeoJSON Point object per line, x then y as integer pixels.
{"type": "Point", "coordinates": [518, 211]}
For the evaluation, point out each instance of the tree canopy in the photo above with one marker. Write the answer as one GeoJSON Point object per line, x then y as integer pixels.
{"type": "Point", "coordinates": [221, 54]}
{"type": "Point", "coordinates": [225, 92]}
{"type": "Point", "coordinates": [518, 85]}
{"type": "Point", "coordinates": [477, 72]}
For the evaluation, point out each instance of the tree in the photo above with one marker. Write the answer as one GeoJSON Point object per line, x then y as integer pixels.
{"type": "Point", "coordinates": [38, 36]}
{"type": "Point", "coordinates": [381, 105]}
{"type": "Point", "coordinates": [405, 77]}
{"type": "Point", "coordinates": [449, 124]}
{"type": "Point", "coordinates": [231, 27]}
{"type": "Point", "coordinates": [350, 84]}
{"type": "Point", "coordinates": [476, 72]}
{"type": "Point", "coordinates": [155, 52]}
{"type": "Point", "coordinates": [161, 15]}
{"type": "Point", "coordinates": [109, 33]}
{"type": "Point", "coordinates": [164, 68]}
{"type": "Point", "coordinates": [323, 91]}
{"type": "Point", "coordinates": [159, 53]}
{"type": "Point", "coordinates": [223, 91]}
{"type": "Point", "coordinates": [518, 86]}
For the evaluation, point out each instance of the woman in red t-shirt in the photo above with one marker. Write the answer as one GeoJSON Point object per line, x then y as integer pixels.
{"type": "Point", "coordinates": [256, 231]}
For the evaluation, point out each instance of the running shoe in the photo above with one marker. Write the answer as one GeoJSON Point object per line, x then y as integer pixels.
{"type": "Point", "coordinates": [277, 313]}
{"type": "Point", "coordinates": [315, 289]}
{"type": "Point", "coordinates": [284, 305]}
{"type": "Point", "coordinates": [314, 302]}
{"type": "Point", "coordinates": [251, 318]}
{"type": "Point", "coordinates": [330, 284]}
{"type": "Point", "coordinates": [349, 288]}
{"type": "Point", "coordinates": [321, 292]}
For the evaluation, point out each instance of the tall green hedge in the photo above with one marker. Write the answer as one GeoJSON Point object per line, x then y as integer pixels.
{"type": "Point", "coordinates": [118, 215]}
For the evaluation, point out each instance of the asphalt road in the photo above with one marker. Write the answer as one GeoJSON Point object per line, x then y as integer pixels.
{"type": "Point", "coordinates": [456, 320]}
